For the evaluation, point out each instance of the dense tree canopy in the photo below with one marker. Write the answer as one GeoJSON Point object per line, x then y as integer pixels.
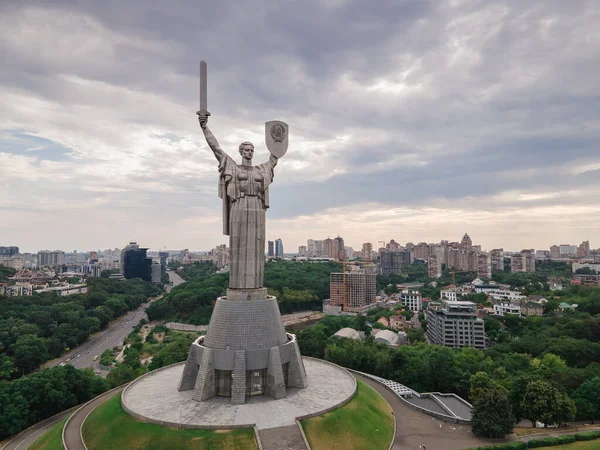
{"type": "Point", "coordinates": [297, 286]}
{"type": "Point", "coordinates": [42, 394]}
{"type": "Point", "coordinates": [42, 326]}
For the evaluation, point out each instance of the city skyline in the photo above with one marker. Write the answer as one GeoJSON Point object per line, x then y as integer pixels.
{"type": "Point", "coordinates": [376, 245]}
{"type": "Point", "coordinates": [418, 120]}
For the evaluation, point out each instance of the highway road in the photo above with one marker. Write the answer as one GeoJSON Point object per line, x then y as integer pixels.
{"type": "Point", "coordinates": [82, 356]}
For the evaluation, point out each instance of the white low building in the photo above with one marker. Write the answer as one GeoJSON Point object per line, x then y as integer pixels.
{"type": "Point", "coordinates": [411, 300]}
{"type": "Point", "coordinates": [64, 290]}
{"type": "Point", "coordinates": [502, 309]}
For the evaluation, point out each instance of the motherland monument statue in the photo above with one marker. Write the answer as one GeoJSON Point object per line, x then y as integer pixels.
{"type": "Point", "coordinates": [246, 350]}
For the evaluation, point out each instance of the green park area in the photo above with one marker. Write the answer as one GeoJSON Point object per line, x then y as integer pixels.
{"type": "Point", "coordinates": [51, 439]}
{"type": "Point", "coordinates": [109, 426]}
{"type": "Point", "coordinates": [366, 422]}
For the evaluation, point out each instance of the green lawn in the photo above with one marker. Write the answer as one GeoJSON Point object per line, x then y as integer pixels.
{"type": "Point", "coordinates": [51, 439]}
{"type": "Point", "coordinates": [110, 427]}
{"type": "Point", "coordinates": [366, 422]}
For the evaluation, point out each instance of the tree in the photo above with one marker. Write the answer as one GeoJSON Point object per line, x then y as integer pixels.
{"type": "Point", "coordinates": [13, 410]}
{"type": "Point", "coordinates": [543, 402]}
{"type": "Point", "coordinates": [587, 399]}
{"type": "Point", "coordinates": [29, 352]}
{"type": "Point", "coordinates": [7, 368]}
{"type": "Point", "coordinates": [492, 413]}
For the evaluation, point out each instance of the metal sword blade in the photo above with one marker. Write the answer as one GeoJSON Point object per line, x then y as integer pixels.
{"type": "Point", "coordinates": [203, 86]}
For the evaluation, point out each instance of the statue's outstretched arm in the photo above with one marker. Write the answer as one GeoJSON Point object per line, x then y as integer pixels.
{"type": "Point", "coordinates": [211, 140]}
{"type": "Point", "coordinates": [273, 160]}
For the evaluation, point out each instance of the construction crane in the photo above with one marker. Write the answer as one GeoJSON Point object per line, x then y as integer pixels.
{"type": "Point", "coordinates": [456, 271]}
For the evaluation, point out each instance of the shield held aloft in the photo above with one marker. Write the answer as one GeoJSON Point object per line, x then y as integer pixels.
{"type": "Point", "coordinates": [276, 137]}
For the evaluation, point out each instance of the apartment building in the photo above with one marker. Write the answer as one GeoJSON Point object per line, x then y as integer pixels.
{"type": "Point", "coordinates": [456, 325]}
{"type": "Point", "coordinates": [352, 290]}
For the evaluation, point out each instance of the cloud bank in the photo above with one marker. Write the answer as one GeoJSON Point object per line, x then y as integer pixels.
{"type": "Point", "coordinates": [411, 120]}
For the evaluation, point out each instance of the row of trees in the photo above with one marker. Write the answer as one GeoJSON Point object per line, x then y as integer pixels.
{"type": "Point", "coordinates": [40, 395]}
{"type": "Point", "coordinates": [37, 328]}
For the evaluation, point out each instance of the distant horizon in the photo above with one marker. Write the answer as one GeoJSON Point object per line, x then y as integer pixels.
{"type": "Point", "coordinates": [355, 248]}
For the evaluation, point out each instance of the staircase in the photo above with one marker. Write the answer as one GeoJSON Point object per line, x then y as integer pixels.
{"type": "Point", "coordinates": [282, 438]}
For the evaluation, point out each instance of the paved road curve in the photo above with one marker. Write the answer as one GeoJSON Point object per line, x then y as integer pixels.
{"type": "Point", "coordinates": [27, 437]}
{"type": "Point", "coordinates": [175, 279]}
{"type": "Point", "coordinates": [82, 356]}
{"type": "Point", "coordinates": [71, 433]}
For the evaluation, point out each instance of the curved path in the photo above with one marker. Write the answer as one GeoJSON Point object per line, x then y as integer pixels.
{"type": "Point", "coordinates": [414, 428]}
{"type": "Point", "coordinates": [71, 435]}
{"type": "Point", "coordinates": [27, 437]}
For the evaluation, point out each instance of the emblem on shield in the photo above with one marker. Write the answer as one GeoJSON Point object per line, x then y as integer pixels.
{"type": "Point", "coordinates": [276, 137]}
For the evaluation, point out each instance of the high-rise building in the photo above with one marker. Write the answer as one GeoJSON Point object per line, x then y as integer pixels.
{"type": "Point", "coordinates": [484, 265]}
{"type": "Point", "coordinates": [466, 243]}
{"type": "Point", "coordinates": [135, 263]}
{"type": "Point", "coordinates": [583, 251]}
{"type": "Point", "coordinates": [319, 248]}
{"type": "Point", "coordinates": [7, 252]}
{"type": "Point", "coordinates": [310, 248]}
{"type": "Point", "coordinates": [497, 255]}
{"type": "Point", "coordinates": [456, 325]}
{"type": "Point", "coordinates": [523, 261]}
{"type": "Point", "coordinates": [163, 256]}
{"type": "Point", "coordinates": [278, 248]}
{"type": "Point", "coordinates": [555, 252]}
{"type": "Point", "coordinates": [340, 248]}
{"type": "Point", "coordinates": [392, 262]}
{"type": "Point", "coordinates": [352, 290]}
{"type": "Point", "coordinates": [329, 248]}
{"type": "Point", "coordinates": [434, 266]}
{"type": "Point", "coordinates": [222, 252]}
{"type": "Point", "coordinates": [393, 246]}
{"type": "Point", "coordinates": [349, 252]}
{"type": "Point", "coordinates": [302, 251]}
{"type": "Point", "coordinates": [50, 258]}
{"type": "Point", "coordinates": [567, 250]}
{"type": "Point", "coordinates": [367, 251]}
{"type": "Point", "coordinates": [156, 272]}
{"type": "Point", "coordinates": [421, 251]}
{"type": "Point", "coordinates": [271, 251]}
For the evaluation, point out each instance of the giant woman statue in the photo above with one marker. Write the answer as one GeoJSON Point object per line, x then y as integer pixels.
{"type": "Point", "coordinates": [244, 190]}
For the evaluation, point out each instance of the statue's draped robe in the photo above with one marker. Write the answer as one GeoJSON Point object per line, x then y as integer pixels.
{"type": "Point", "coordinates": [245, 194]}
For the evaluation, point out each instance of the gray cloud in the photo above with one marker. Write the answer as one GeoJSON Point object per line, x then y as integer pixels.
{"type": "Point", "coordinates": [467, 107]}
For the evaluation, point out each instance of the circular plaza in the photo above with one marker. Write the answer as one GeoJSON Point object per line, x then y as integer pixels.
{"type": "Point", "coordinates": [154, 398]}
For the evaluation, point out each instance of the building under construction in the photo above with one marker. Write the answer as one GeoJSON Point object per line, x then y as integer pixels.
{"type": "Point", "coordinates": [352, 290]}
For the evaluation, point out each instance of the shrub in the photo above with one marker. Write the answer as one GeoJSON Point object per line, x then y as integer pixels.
{"type": "Point", "coordinates": [548, 442]}
{"type": "Point", "coordinates": [587, 436]}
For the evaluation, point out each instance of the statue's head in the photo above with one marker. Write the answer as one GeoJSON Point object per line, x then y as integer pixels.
{"type": "Point", "coordinates": [247, 150]}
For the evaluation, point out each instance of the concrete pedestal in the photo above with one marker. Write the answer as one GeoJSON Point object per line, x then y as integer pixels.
{"type": "Point", "coordinates": [244, 352]}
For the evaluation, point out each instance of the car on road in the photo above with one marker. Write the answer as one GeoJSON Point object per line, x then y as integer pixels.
{"type": "Point", "coordinates": [95, 358]}
{"type": "Point", "coordinates": [77, 356]}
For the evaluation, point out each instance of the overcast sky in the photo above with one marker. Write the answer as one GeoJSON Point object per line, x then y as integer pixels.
{"type": "Point", "coordinates": [411, 120]}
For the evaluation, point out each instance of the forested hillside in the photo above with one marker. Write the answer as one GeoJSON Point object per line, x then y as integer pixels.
{"type": "Point", "coordinates": [297, 286]}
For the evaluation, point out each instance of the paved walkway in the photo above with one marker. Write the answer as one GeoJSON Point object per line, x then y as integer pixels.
{"type": "Point", "coordinates": [414, 428]}
{"type": "Point", "coordinates": [72, 432]}
{"type": "Point", "coordinates": [282, 438]}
